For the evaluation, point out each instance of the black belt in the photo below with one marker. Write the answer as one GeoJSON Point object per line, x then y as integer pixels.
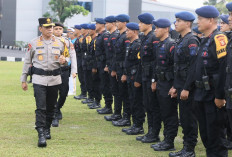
{"type": "Point", "coordinates": [38, 71]}
{"type": "Point", "coordinates": [65, 68]}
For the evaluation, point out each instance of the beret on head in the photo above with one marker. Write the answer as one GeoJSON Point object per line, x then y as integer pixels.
{"type": "Point", "coordinates": [207, 12]}
{"type": "Point", "coordinates": [229, 6]}
{"type": "Point", "coordinates": [132, 26]}
{"type": "Point", "coordinates": [123, 18]}
{"type": "Point", "coordinates": [84, 26]}
{"type": "Point", "coordinates": [162, 23]}
{"type": "Point", "coordinates": [146, 18]}
{"type": "Point", "coordinates": [92, 26]}
{"type": "Point", "coordinates": [225, 18]}
{"type": "Point", "coordinates": [186, 16]}
{"type": "Point", "coordinates": [110, 19]}
{"type": "Point", "coordinates": [100, 21]}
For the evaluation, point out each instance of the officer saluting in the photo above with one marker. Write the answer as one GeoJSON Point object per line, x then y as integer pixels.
{"type": "Point", "coordinates": [45, 53]}
{"type": "Point", "coordinates": [210, 80]}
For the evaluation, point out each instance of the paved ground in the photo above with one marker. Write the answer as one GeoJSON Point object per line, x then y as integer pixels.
{"type": "Point", "coordinates": [12, 53]}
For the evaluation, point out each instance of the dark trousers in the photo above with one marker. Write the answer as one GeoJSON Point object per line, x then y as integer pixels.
{"type": "Point", "coordinates": [229, 124]}
{"type": "Point", "coordinates": [168, 110]}
{"type": "Point", "coordinates": [46, 99]}
{"type": "Point", "coordinates": [188, 119]}
{"type": "Point", "coordinates": [89, 83]}
{"type": "Point", "coordinates": [82, 80]}
{"type": "Point", "coordinates": [151, 107]}
{"type": "Point", "coordinates": [211, 125]}
{"type": "Point", "coordinates": [63, 89]}
{"type": "Point", "coordinates": [123, 96]}
{"type": "Point", "coordinates": [105, 87]}
{"type": "Point", "coordinates": [96, 87]}
{"type": "Point", "coordinates": [136, 102]}
{"type": "Point", "coordinates": [115, 93]}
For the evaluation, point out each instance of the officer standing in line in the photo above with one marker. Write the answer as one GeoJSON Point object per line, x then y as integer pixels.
{"type": "Point", "coordinates": [100, 55]}
{"type": "Point", "coordinates": [65, 72]}
{"type": "Point", "coordinates": [229, 78]}
{"type": "Point", "coordinates": [118, 71]}
{"type": "Point", "coordinates": [224, 25]}
{"type": "Point", "coordinates": [163, 76]}
{"type": "Point", "coordinates": [132, 61]}
{"type": "Point", "coordinates": [184, 70]}
{"type": "Point", "coordinates": [93, 80]}
{"type": "Point", "coordinates": [145, 69]}
{"type": "Point", "coordinates": [210, 81]}
{"type": "Point", "coordinates": [46, 54]}
{"type": "Point", "coordinates": [77, 46]}
{"type": "Point", "coordinates": [111, 27]}
{"type": "Point", "coordinates": [86, 69]}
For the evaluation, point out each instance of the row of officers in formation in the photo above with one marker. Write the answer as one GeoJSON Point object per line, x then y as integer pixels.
{"type": "Point", "coordinates": [141, 70]}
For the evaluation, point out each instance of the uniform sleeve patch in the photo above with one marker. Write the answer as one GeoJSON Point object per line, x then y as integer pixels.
{"type": "Point", "coordinates": [127, 41]}
{"type": "Point", "coordinates": [105, 38]}
{"type": "Point", "coordinates": [155, 42]}
{"type": "Point", "coordinates": [192, 45]}
{"type": "Point", "coordinates": [172, 48]}
{"type": "Point", "coordinates": [221, 42]}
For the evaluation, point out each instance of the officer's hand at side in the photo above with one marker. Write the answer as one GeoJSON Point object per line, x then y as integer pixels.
{"type": "Point", "coordinates": [172, 92]}
{"type": "Point", "coordinates": [123, 78]}
{"type": "Point", "coordinates": [136, 84]}
{"type": "Point", "coordinates": [74, 75]}
{"type": "Point", "coordinates": [106, 69]}
{"type": "Point", "coordinates": [94, 71]}
{"type": "Point", "coordinates": [113, 73]}
{"type": "Point", "coordinates": [184, 94]}
{"type": "Point", "coordinates": [24, 86]}
{"type": "Point", "coordinates": [219, 102]}
{"type": "Point", "coordinates": [62, 59]}
{"type": "Point", "coordinates": [153, 86]}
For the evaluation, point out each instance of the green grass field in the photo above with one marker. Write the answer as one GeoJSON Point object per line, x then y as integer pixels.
{"type": "Point", "coordinates": [82, 132]}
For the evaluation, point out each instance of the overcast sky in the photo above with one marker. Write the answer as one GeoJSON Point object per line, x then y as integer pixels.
{"type": "Point", "coordinates": [184, 3]}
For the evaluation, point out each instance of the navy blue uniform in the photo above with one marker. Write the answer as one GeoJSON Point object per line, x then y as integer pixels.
{"type": "Point", "coordinates": [100, 55]}
{"type": "Point", "coordinates": [135, 93]}
{"type": "Point", "coordinates": [163, 70]}
{"type": "Point", "coordinates": [144, 76]}
{"type": "Point", "coordinates": [77, 46]}
{"type": "Point", "coordinates": [210, 81]}
{"type": "Point", "coordinates": [118, 66]}
{"type": "Point", "coordinates": [185, 62]}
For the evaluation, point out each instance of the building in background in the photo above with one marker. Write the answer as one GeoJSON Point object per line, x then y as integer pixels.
{"type": "Point", "coordinates": [20, 17]}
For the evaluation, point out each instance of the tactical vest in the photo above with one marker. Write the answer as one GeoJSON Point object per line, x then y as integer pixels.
{"type": "Point", "coordinates": [164, 62]}
{"type": "Point", "coordinates": [120, 47]}
{"type": "Point", "coordinates": [101, 43]}
{"type": "Point", "coordinates": [111, 46]}
{"type": "Point", "coordinates": [182, 56]}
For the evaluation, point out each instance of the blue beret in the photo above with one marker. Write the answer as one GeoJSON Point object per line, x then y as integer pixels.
{"type": "Point", "coordinates": [195, 29]}
{"type": "Point", "coordinates": [77, 27]}
{"type": "Point", "coordinates": [84, 26]}
{"type": "Point", "coordinates": [100, 21]}
{"type": "Point", "coordinates": [146, 18]}
{"type": "Point", "coordinates": [225, 18]}
{"type": "Point", "coordinates": [92, 26]}
{"type": "Point", "coordinates": [162, 23]}
{"type": "Point", "coordinates": [207, 11]}
{"type": "Point", "coordinates": [122, 18]}
{"type": "Point", "coordinates": [184, 15]}
{"type": "Point", "coordinates": [229, 6]}
{"type": "Point", "coordinates": [110, 19]}
{"type": "Point", "coordinates": [132, 26]}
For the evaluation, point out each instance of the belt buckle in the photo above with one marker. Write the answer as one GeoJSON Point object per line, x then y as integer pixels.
{"type": "Point", "coordinates": [49, 73]}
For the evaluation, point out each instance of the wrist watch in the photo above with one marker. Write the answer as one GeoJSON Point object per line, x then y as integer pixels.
{"type": "Point", "coordinates": [152, 80]}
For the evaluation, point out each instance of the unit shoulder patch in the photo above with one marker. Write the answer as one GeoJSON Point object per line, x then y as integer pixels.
{"type": "Point", "coordinates": [221, 43]}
